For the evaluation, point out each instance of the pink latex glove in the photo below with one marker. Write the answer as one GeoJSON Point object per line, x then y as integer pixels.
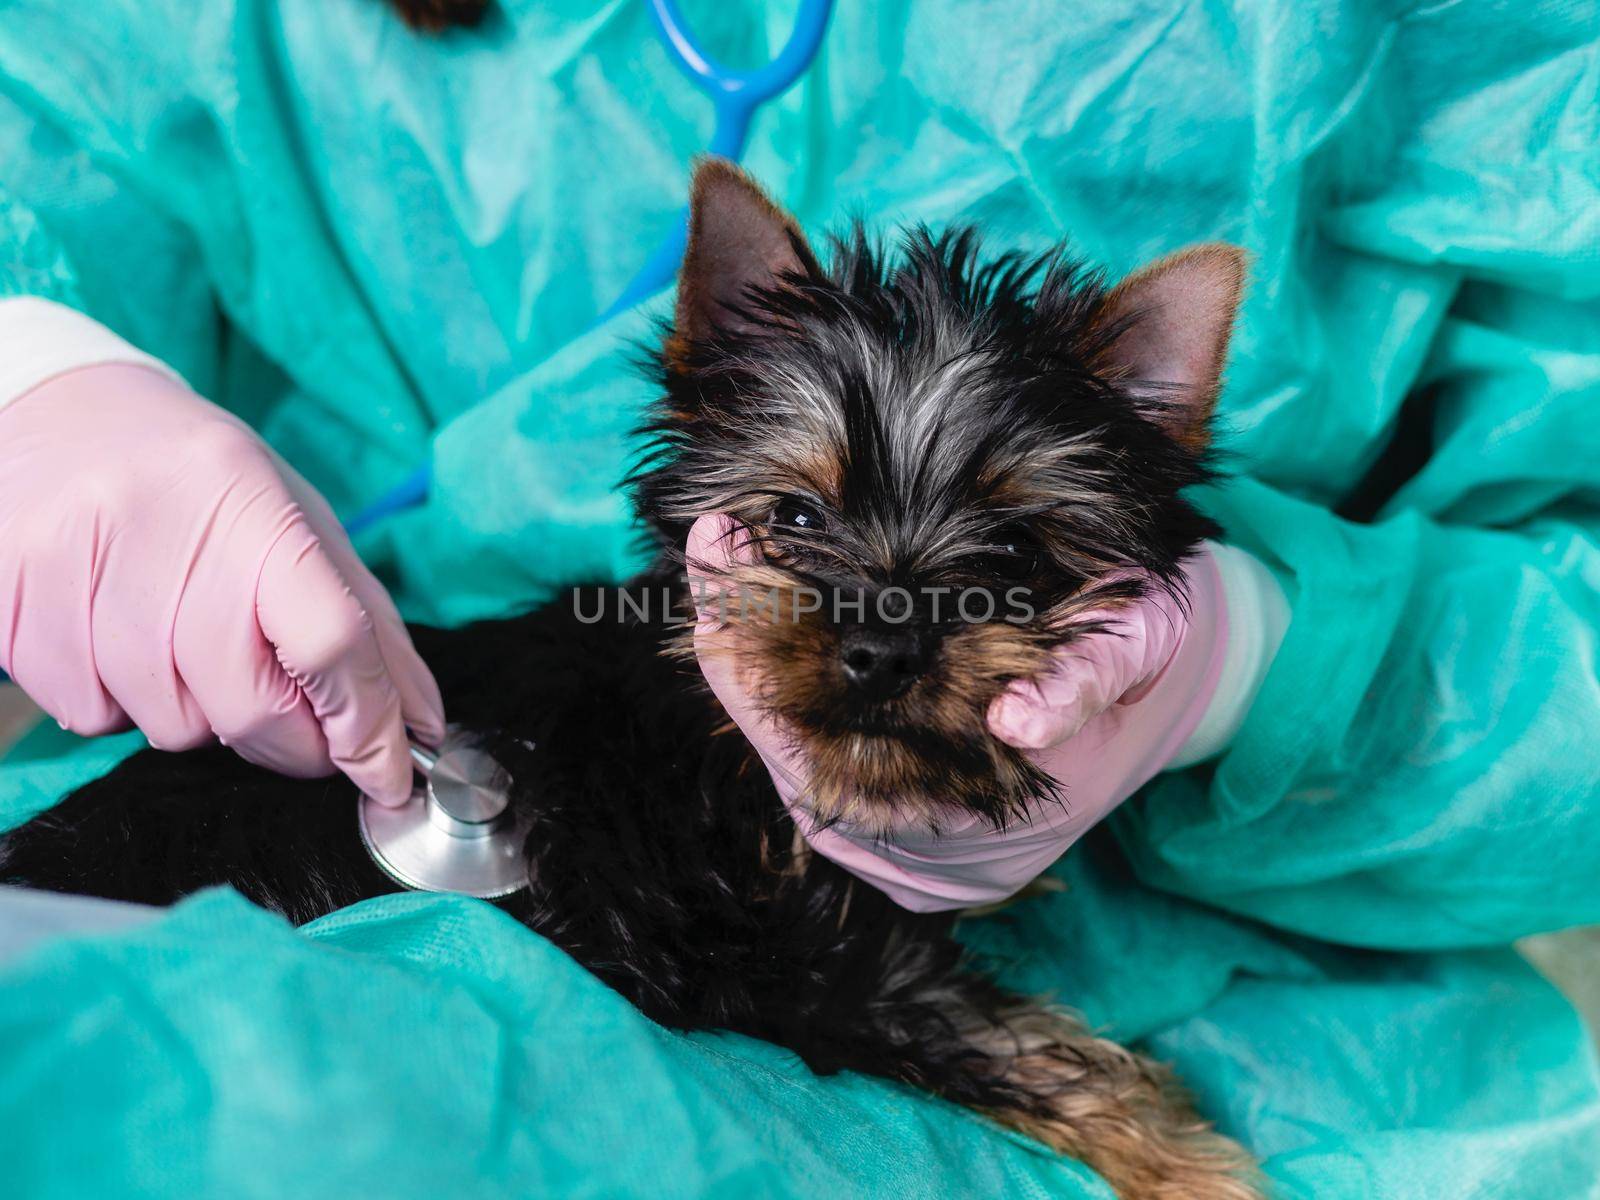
{"type": "Point", "coordinates": [1113, 712]}
{"type": "Point", "coordinates": [160, 566]}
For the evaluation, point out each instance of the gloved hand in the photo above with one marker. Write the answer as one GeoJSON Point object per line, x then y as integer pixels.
{"type": "Point", "coordinates": [159, 565]}
{"type": "Point", "coordinates": [1166, 686]}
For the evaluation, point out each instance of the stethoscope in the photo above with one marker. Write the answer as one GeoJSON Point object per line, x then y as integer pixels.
{"type": "Point", "coordinates": [735, 96]}
{"type": "Point", "coordinates": [457, 831]}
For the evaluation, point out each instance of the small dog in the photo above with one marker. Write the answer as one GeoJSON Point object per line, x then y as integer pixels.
{"type": "Point", "coordinates": [919, 423]}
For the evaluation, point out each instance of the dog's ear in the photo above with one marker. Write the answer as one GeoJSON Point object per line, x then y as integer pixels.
{"type": "Point", "coordinates": [1173, 321]}
{"type": "Point", "coordinates": [738, 240]}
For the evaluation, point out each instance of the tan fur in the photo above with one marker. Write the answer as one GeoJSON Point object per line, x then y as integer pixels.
{"type": "Point", "coordinates": [872, 780]}
{"type": "Point", "coordinates": [1117, 1111]}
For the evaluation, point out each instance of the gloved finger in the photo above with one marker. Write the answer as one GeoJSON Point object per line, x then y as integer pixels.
{"type": "Point", "coordinates": [716, 543]}
{"type": "Point", "coordinates": [326, 643]}
{"type": "Point", "coordinates": [233, 673]}
{"type": "Point", "coordinates": [732, 686]}
{"type": "Point", "coordinates": [218, 651]}
{"type": "Point", "coordinates": [134, 631]}
{"type": "Point", "coordinates": [421, 705]}
{"type": "Point", "coordinates": [714, 652]}
{"type": "Point", "coordinates": [47, 647]}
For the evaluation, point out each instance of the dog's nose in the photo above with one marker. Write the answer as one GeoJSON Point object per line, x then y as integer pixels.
{"type": "Point", "coordinates": [882, 664]}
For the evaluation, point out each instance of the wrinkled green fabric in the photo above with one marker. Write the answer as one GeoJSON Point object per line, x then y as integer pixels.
{"type": "Point", "coordinates": [377, 246]}
{"type": "Point", "coordinates": [427, 1046]}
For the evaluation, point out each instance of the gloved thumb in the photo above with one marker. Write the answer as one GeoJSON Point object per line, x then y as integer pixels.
{"type": "Point", "coordinates": [1117, 664]}
{"type": "Point", "coordinates": [1035, 714]}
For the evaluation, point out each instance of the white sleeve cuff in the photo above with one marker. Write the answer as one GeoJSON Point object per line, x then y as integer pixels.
{"type": "Point", "coordinates": [1258, 617]}
{"type": "Point", "coordinates": [40, 339]}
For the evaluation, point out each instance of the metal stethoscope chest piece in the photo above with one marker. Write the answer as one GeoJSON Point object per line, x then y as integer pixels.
{"type": "Point", "coordinates": [455, 833]}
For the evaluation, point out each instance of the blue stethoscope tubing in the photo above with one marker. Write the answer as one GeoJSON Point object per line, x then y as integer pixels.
{"type": "Point", "coordinates": [735, 96]}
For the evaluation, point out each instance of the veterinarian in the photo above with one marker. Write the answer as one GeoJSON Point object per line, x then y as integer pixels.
{"type": "Point", "coordinates": [373, 247]}
{"type": "Point", "coordinates": [162, 567]}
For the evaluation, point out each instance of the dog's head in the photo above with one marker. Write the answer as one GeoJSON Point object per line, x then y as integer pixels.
{"type": "Point", "coordinates": [948, 464]}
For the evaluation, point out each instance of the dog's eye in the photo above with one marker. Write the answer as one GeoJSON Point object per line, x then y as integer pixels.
{"type": "Point", "coordinates": [791, 513]}
{"type": "Point", "coordinates": [1013, 557]}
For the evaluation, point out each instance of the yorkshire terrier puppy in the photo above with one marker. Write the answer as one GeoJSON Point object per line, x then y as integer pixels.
{"type": "Point", "coordinates": [930, 422]}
